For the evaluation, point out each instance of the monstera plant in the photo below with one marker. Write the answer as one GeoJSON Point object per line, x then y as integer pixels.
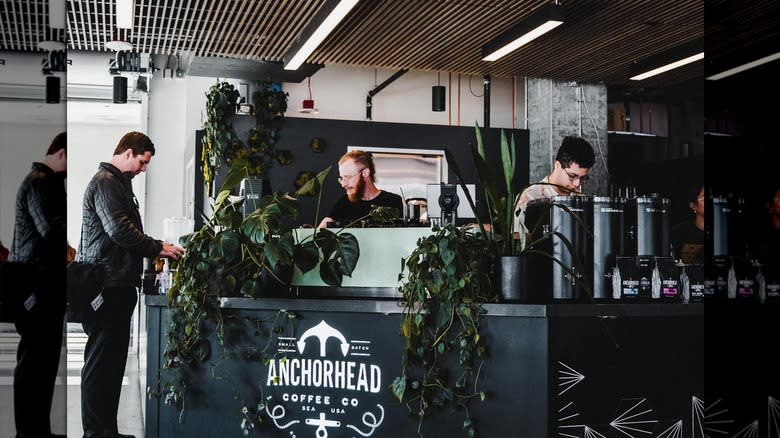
{"type": "Point", "coordinates": [233, 255]}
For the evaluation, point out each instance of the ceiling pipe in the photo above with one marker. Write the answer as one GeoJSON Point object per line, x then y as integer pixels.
{"type": "Point", "coordinates": [486, 82]}
{"type": "Point", "coordinates": [379, 88]}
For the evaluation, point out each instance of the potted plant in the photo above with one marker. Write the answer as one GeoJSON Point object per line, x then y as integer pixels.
{"type": "Point", "coordinates": [233, 255]}
{"type": "Point", "coordinates": [511, 246]}
{"type": "Point", "coordinates": [258, 154]}
{"type": "Point", "coordinates": [448, 279]}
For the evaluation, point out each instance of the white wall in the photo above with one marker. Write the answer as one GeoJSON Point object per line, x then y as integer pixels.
{"type": "Point", "coordinates": [340, 93]}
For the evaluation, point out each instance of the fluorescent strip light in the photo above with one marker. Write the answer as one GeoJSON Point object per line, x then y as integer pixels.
{"type": "Point", "coordinates": [743, 67]}
{"type": "Point", "coordinates": [668, 67]}
{"type": "Point", "coordinates": [525, 39]}
{"type": "Point", "coordinates": [125, 10]}
{"type": "Point", "coordinates": [327, 26]}
{"type": "Point", "coordinates": [57, 14]}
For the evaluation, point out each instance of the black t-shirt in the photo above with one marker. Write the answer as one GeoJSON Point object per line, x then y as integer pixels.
{"type": "Point", "coordinates": [346, 212]}
{"type": "Point", "coordinates": [688, 243]}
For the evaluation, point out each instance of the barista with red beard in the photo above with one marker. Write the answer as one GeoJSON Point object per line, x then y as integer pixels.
{"type": "Point", "coordinates": [357, 177]}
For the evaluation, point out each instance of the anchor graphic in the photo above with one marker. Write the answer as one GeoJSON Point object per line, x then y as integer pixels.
{"type": "Point", "coordinates": [323, 331]}
{"type": "Point", "coordinates": [321, 424]}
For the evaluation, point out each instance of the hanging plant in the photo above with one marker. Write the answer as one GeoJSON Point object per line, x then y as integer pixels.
{"type": "Point", "coordinates": [221, 144]}
{"type": "Point", "coordinates": [220, 141]}
{"type": "Point", "coordinates": [448, 279]}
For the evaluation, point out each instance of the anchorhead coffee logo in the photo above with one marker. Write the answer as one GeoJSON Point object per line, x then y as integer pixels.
{"type": "Point", "coordinates": [323, 384]}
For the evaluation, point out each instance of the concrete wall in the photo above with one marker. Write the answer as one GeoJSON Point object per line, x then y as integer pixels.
{"type": "Point", "coordinates": [557, 109]}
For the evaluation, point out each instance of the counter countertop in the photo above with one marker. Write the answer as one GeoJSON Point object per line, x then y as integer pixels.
{"type": "Point", "coordinates": [606, 310]}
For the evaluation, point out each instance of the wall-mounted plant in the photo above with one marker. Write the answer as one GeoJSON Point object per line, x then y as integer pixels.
{"type": "Point", "coordinates": [317, 145]}
{"type": "Point", "coordinates": [302, 178]}
{"type": "Point", "coordinates": [447, 280]}
{"type": "Point", "coordinates": [222, 145]}
{"type": "Point", "coordinates": [220, 141]}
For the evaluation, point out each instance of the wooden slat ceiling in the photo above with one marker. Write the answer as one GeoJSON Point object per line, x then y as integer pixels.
{"type": "Point", "coordinates": [598, 42]}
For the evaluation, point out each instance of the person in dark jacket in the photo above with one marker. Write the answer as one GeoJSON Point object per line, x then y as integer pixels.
{"type": "Point", "coordinates": [40, 242]}
{"type": "Point", "coordinates": [112, 235]}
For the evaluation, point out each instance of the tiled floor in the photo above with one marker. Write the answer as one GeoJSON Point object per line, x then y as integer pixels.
{"type": "Point", "coordinates": [66, 409]}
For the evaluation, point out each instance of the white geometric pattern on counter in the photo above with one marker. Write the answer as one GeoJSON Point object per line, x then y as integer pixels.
{"type": "Point", "coordinates": [631, 421]}
{"type": "Point", "coordinates": [568, 378]}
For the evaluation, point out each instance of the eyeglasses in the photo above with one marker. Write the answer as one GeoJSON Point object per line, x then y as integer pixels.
{"type": "Point", "coordinates": [349, 177]}
{"type": "Point", "coordinates": [574, 177]}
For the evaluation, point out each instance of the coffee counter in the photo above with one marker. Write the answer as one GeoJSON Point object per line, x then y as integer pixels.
{"type": "Point", "coordinates": [553, 370]}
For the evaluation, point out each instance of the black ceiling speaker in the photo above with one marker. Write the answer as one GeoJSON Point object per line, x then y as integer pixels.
{"type": "Point", "coordinates": [52, 89]}
{"type": "Point", "coordinates": [120, 89]}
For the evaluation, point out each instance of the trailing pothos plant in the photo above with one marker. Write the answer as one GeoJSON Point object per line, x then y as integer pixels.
{"type": "Point", "coordinates": [447, 281]}
{"type": "Point", "coordinates": [236, 256]}
{"type": "Point", "coordinates": [221, 144]}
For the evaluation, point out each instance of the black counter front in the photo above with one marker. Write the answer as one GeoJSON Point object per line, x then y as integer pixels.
{"type": "Point", "coordinates": [553, 370]}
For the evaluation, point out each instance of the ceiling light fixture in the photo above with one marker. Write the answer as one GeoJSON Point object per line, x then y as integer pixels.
{"type": "Point", "coordinates": [308, 104]}
{"type": "Point", "coordinates": [743, 67]}
{"type": "Point", "coordinates": [125, 10]}
{"type": "Point", "coordinates": [326, 19]}
{"type": "Point", "coordinates": [535, 25]}
{"type": "Point", "coordinates": [667, 67]}
{"type": "Point", "coordinates": [57, 14]}
{"type": "Point", "coordinates": [438, 95]}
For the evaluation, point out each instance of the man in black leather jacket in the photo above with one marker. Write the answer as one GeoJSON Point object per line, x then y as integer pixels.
{"type": "Point", "coordinates": [40, 243]}
{"type": "Point", "coordinates": [112, 235]}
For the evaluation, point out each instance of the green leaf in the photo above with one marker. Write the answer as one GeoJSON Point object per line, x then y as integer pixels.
{"type": "Point", "coordinates": [399, 388]}
{"type": "Point", "coordinates": [447, 255]}
{"type": "Point", "coordinates": [329, 273]}
{"type": "Point", "coordinates": [221, 197]}
{"type": "Point", "coordinates": [480, 145]}
{"type": "Point", "coordinates": [306, 256]}
{"type": "Point", "coordinates": [314, 185]}
{"type": "Point", "coordinates": [348, 251]}
{"type": "Point", "coordinates": [238, 171]}
{"type": "Point", "coordinates": [228, 246]}
{"type": "Point", "coordinates": [440, 347]}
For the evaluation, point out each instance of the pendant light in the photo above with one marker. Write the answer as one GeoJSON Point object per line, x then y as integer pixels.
{"type": "Point", "coordinates": [308, 104]}
{"type": "Point", "coordinates": [438, 95]}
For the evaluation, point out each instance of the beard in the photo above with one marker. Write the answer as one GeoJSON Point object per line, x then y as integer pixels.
{"type": "Point", "coordinates": [360, 188]}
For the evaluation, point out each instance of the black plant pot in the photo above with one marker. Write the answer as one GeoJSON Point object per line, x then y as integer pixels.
{"type": "Point", "coordinates": [277, 284]}
{"type": "Point", "coordinates": [511, 277]}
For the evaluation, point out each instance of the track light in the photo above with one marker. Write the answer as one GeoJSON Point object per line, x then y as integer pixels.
{"type": "Point", "coordinates": [743, 67]}
{"type": "Point", "coordinates": [57, 14]}
{"type": "Point", "coordinates": [125, 10]}
{"type": "Point", "coordinates": [535, 25]}
{"type": "Point", "coordinates": [667, 60]}
{"type": "Point", "coordinates": [667, 67]}
{"type": "Point", "coordinates": [325, 21]}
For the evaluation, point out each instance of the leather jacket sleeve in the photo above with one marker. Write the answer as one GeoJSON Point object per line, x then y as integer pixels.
{"type": "Point", "coordinates": [119, 221]}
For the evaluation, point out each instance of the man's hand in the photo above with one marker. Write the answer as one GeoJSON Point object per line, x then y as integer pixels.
{"type": "Point", "coordinates": [171, 250]}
